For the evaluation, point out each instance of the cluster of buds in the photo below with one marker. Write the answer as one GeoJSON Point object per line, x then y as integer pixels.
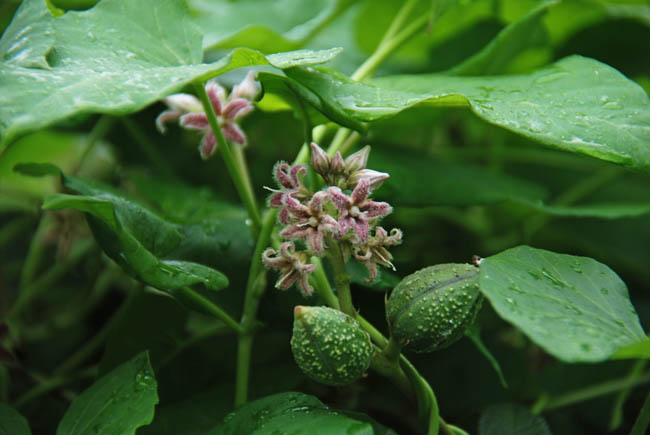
{"type": "Point", "coordinates": [229, 110]}
{"type": "Point", "coordinates": [342, 211]}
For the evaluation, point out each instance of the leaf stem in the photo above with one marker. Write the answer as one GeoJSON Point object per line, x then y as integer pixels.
{"type": "Point", "coordinates": [643, 420]}
{"type": "Point", "coordinates": [544, 403]}
{"type": "Point", "coordinates": [341, 277]}
{"type": "Point", "coordinates": [147, 146]}
{"type": "Point", "coordinates": [58, 270]}
{"type": "Point", "coordinates": [47, 385]}
{"type": "Point", "coordinates": [99, 130]}
{"type": "Point", "coordinates": [84, 352]}
{"type": "Point", "coordinates": [322, 284]}
{"type": "Point", "coordinates": [238, 175]}
{"type": "Point", "coordinates": [617, 410]}
{"type": "Point", "coordinates": [387, 48]}
{"type": "Point", "coordinates": [209, 307]}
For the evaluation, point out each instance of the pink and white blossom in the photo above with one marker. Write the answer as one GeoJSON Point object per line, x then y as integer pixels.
{"type": "Point", "coordinates": [294, 267]}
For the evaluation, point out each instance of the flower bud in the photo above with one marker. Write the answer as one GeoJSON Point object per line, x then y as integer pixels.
{"type": "Point", "coordinates": [330, 346]}
{"type": "Point", "coordinates": [375, 178]}
{"type": "Point", "coordinates": [320, 161]}
{"type": "Point", "coordinates": [358, 160]}
{"type": "Point", "coordinates": [248, 89]}
{"type": "Point", "coordinates": [337, 165]}
{"type": "Point", "coordinates": [433, 307]}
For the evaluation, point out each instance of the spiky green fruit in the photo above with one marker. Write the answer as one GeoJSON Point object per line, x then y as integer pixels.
{"type": "Point", "coordinates": [330, 346]}
{"type": "Point", "coordinates": [433, 307]}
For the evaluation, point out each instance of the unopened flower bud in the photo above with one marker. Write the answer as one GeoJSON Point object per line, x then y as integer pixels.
{"type": "Point", "coordinates": [330, 346]}
{"type": "Point", "coordinates": [433, 307]}
{"type": "Point", "coordinates": [337, 165]}
{"type": "Point", "coordinates": [320, 161]}
{"type": "Point", "coordinates": [358, 160]}
{"type": "Point", "coordinates": [375, 178]}
{"type": "Point", "coordinates": [249, 88]}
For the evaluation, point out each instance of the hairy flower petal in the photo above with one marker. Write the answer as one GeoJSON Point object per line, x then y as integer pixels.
{"type": "Point", "coordinates": [196, 121]}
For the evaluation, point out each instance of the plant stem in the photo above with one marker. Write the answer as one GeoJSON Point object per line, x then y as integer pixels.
{"type": "Point", "coordinates": [322, 285]}
{"type": "Point", "coordinates": [572, 195]}
{"type": "Point", "coordinates": [387, 48]}
{"type": "Point", "coordinates": [398, 21]}
{"type": "Point", "coordinates": [14, 229]}
{"type": "Point", "coordinates": [341, 277]}
{"type": "Point", "coordinates": [31, 291]}
{"type": "Point", "coordinates": [35, 251]}
{"type": "Point", "coordinates": [617, 410]}
{"type": "Point", "coordinates": [237, 174]}
{"type": "Point", "coordinates": [643, 420]}
{"type": "Point", "coordinates": [47, 385]}
{"type": "Point", "coordinates": [147, 146]}
{"type": "Point", "coordinates": [98, 339]}
{"type": "Point", "coordinates": [210, 307]}
{"type": "Point", "coordinates": [545, 403]}
{"type": "Point", "coordinates": [99, 130]}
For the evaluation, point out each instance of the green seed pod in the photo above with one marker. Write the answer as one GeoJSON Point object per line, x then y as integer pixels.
{"type": "Point", "coordinates": [433, 307]}
{"type": "Point", "coordinates": [330, 346]}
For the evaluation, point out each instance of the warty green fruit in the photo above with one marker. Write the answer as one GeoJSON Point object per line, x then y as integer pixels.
{"type": "Point", "coordinates": [330, 346]}
{"type": "Point", "coordinates": [433, 307]}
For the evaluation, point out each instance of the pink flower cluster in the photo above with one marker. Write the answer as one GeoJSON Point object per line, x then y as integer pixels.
{"type": "Point", "coordinates": [229, 109]}
{"type": "Point", "coordinates": [312, 217]}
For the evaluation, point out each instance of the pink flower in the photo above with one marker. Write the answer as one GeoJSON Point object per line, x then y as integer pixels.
{"type": "Point", "coordinates": [374, 251]}
{"type": "Point", "coordinates": [229, 110]}
{"type": "Point", "coordinates": [287, 177]}
{"type": "Point", "coordinates": [311, 222]}
{"type": "Point", "coordinates": [356, 210]}
{"type": "Point", "coordinates": [294, 267]}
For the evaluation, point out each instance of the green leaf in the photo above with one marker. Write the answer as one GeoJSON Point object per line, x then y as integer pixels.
{"type": "Point", "coordinates": [117, 57]}
{"type": "Point", "coordinates": [118, 403]}
{"type": "Point", "coordinates": [269, 27]}
{"type": "Point", "coordinates": [146, 245]}
{"type": "Point", "coordinates": [474, 334]}
{"type": "Point", "coordinates": [576, 308]}
{"type": "Point", "coordinates": [636, 350]}
{"type": "Point", "coordinates": [420, 180]}
{"type": "Point", "coordinates": [576, 104]}
{"type": "Point", "coordinates": [511, 419]}
{"type": "Point", "coordinates": [294, 413]}
{"type": "Point", "coordinates": [520, 35]}
{"type": "Point", "coordinates": [11, 422]}
{"type": "Point", "coordinates": [29, 36]}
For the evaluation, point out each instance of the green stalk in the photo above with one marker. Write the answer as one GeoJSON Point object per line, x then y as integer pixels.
{"type": "Point", "coordinates": [209, 307]}
{"type": "Point", "coordinates": [237, 175]}
{"type": "Point", "coordinates": [147, 146]}
{"type": "Point", "coordinates": [545, 403]}
{"type": "Point", "coordinates": [387, 48]}
{"type": "Point", "coordinates": [47, 278]}
{"type": "Point", "coordinates": [99, 130]}
{"type": "Point", "coordinates": [90, 347]}
{"type": "Point", "coordinates": [35, 252]}
{"type": "Point", "coordinates": [47, 385]}
{"type": "Point", "coordinates": [643, 420]}
{"type": "Point", "coordinates": [341, 277]}
{"type": "Point", "coordinates": [322, 285]}
{"type": "Point", "coordinates": [617, 410]}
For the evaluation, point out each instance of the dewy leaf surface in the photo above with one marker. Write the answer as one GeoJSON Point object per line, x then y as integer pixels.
{"type": "Point", "coordinates": [511, 419]}
{"type": "Point", "coordinates": [576, 104]}
{"type": "Point", "coordinates": [293, 413]}
{"type": "Point", "coordinates": [576, 308]}
{"type": "Point", "coordinates": [280, 25]}
{"type": "Point", "coordinates": [118, 403]}
{"type": "Point", "coordinates": [116, 58]}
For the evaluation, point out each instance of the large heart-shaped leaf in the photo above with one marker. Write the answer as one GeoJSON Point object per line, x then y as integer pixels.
{"type": "Point", "coordinates": [117, 57]}
{"type": "Point", "coordinates": [118, 403]}
{"type": "Point", "coordinates": [576, 104]}
{"type": "Point", "coordinates": [576, 308]}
